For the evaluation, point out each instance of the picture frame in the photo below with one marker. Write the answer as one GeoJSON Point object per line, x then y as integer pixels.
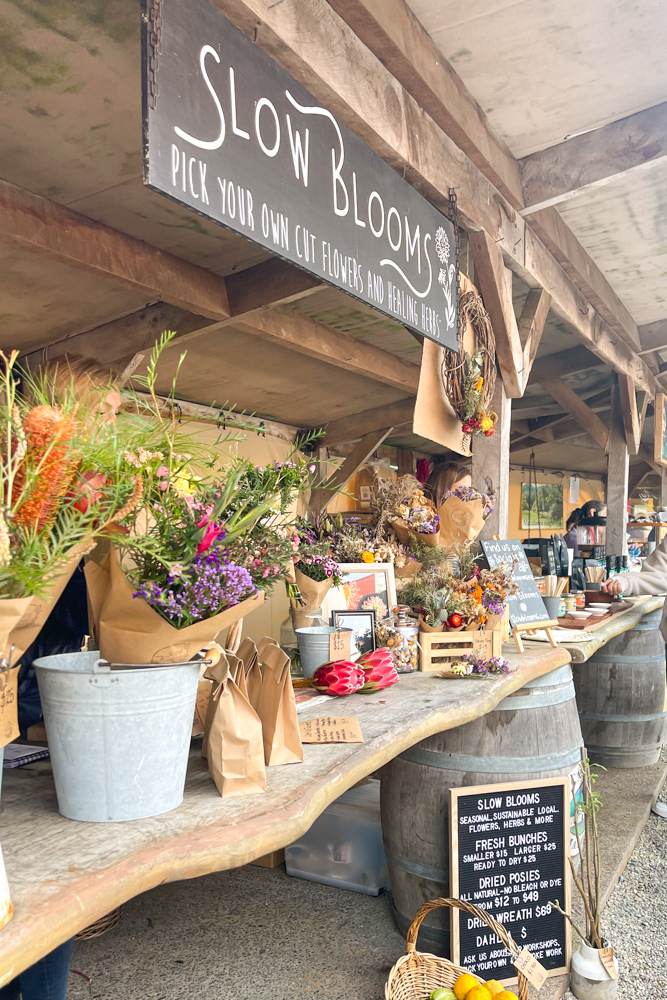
{"type": "Point", "coordinates": [545, 499]}
{"type": "Point", "coordinates": [362, 624]}
{"type": "Point", "coordinates": [660, 431]}
{"type": "Point", "coordinates": [364, 587]}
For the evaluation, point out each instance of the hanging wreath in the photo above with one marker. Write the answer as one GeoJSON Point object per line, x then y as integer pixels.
{"type": "Point", "coordinates": [469, 379]}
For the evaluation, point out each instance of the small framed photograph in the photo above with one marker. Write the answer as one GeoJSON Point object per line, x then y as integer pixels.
{"type": "Point", "coordinates": [362, 624]}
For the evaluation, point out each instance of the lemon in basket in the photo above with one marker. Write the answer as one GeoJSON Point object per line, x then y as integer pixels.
{"type": "Point", "coordinates": [463, 985]}
{"type": "Point", "coordinates": [479, 993]}
{"type": "Point", "coordinates": [506, 995]}
{"type": "Point", "coordinates": [494, 987]}
{"type": "Point", "coordinates": [442, 993]}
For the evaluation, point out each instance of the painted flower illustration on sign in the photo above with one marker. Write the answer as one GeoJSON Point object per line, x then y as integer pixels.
{"type": "Point", "coordinates": [446, 275]}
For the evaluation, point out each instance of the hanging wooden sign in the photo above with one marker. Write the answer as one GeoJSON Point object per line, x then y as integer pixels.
{"type": "Point", "coordinates": [230, 134]}
{"type": "Point", "coordinates": [509, 848]}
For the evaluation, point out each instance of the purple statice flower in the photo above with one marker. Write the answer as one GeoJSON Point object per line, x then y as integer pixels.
{"type": "Point", "coordinates": [210, 584]}
{"type": "Point", "coordinates": [493, 665]}
{"type": "Point", "coordinates": [493, 603]}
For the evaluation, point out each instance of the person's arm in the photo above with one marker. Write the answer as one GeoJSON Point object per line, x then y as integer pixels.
{"type": "Point", "coordinates": [652, 579]}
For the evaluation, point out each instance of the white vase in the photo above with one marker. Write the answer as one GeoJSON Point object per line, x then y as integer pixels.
{"type": "Point", "coordinates": [589, 980]}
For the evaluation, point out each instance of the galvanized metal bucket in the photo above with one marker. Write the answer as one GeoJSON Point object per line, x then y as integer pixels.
{"type": "Point", "coordinates": [314, 646]}
{"type": "Point", "coordinates": [119, 734]}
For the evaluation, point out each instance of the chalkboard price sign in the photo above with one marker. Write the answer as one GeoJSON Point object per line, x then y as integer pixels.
{"type": "Point", "coordinates": [509, 855]}
{"type": "Point", "coordinates": [526, 606]}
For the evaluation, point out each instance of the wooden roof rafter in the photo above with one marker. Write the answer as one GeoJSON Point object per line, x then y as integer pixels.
{"type": "Point", "coordinates": [391, 30]}
{"type": "Point", "coordinates": [561, 172]}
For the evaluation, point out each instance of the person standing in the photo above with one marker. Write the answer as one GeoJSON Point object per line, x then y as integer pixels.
{"type": "Point", "coordinates": [447, 476]}
{"type": "Point", "coordinates": [651, 580]}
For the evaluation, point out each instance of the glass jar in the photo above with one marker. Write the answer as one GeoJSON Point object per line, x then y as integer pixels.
{"type": "Point", "coordinates": [400, 634]}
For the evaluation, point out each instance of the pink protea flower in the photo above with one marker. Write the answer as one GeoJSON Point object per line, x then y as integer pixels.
{"type": "Point", "coordinates": [379, 670]}
{"type": "Point", "coordinates": [339, 678]}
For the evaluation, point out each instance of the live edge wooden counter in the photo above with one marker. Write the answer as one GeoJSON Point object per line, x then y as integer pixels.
{"type": "Point", "coordinates": [617, 625]}
{"type": "Point", "coordinates": [65, 875]}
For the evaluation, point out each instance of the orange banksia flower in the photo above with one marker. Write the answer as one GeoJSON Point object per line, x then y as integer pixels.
{"type": "Point", "coordinates": [49, 466]}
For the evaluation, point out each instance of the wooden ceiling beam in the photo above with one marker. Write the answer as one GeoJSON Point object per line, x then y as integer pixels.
{"type": "Point", "coordinates": [313, 339]}
{"type": "Point", "coordinates": [495, 284]}
{"type": "Point", "coordinates": [391, 30]}
{"type": "Point", "coordinates": [273, 282]}
{"type": "Point", "coordinates": [358, 425]}
{"type": "Point", "coordinates": [653, 337]}
{"type": "Point", "coordinates": [577, 359]}
{"type": "Point", "coordinates": [637, 475]}
{"type": "Point", "coordinates": [56, 231]}
{"type": "Point", "coordinates": [554, 175]}
{"type": "Point", "coordinates": [404, 49]}
{"type": "Point", "coordinates": [360, 454]}
{"type": "Point", "coordinates": [584, 273]}
{"type": "Point", "coordinates": [629, 412]}
{"type": "Point", "coordinates": [532, 321]}
{"type": "Point", "coordinates": [574, 405]}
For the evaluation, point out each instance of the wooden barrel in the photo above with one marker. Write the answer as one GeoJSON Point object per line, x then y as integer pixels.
{"type": "Point", "coordinates": [621, 697]}
{"type": "Point", "coordinates": [535, 732]}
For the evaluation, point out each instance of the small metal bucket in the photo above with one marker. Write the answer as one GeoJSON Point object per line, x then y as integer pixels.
{"type": "Point", "coordinates": [119, 734]}
{"type": "Point", "coordinates": [314, 646]}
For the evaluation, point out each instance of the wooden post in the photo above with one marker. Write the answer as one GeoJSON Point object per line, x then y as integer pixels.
{"type": "Point", "coordinates": [406, 462]}
{"type": "Point", "coordinates": [491, 464]}
{"type": "Point", "coordinates": [617, 482]}
{"type": "Point", "coordinates": [663, 487]}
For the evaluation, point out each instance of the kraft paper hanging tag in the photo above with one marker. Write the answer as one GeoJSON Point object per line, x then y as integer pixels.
{"type": "Point", "coordinates": [340, 644]}
{"type": "Point", "coordinates": [607, 957]}
{"type": "Point", "coordinates": [535, 973]}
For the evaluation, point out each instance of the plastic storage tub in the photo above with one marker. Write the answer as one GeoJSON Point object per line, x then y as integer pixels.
{"type": "Point", "coordinates": [344, 845]}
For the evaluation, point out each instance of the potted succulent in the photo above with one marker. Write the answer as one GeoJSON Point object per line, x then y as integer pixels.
{"type": "Point", "coordinates": [594, 968]}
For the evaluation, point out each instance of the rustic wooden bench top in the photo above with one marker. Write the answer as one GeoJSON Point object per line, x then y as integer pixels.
{"type": "Point", "coordinates": [65, 875]}
{"type": "Point", "coordinates": [620, 623]}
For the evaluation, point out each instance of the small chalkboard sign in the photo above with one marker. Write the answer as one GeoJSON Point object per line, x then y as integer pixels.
{"type": "Point", "coordinates": [509, 854]}
{"type": "Point", "coordinates": [526, 607]}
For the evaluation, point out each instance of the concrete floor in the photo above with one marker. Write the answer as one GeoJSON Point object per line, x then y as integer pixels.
{"type": "Point", "coordinates": [256, 934]}
{"type": "Point", "coordinates": [250, 934]}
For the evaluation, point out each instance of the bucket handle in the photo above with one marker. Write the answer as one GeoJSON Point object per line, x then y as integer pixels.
{"type": "Point", "coordinates": [104, 667]}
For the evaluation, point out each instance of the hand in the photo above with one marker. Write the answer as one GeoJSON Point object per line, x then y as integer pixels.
{"type": "Point", "coordinates": [612, 587]}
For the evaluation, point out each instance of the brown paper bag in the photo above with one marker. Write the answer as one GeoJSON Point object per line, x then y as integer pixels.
{"type": "Point", "coordinates": [277, 707]}
{"type": "Point", "coordinates": [235, 749]}
{"type": "Point", "coordinates": [313, 593]}
{"type": "Point", "coordinates": [460, 520]}
{"type": "Point", "coordinates": [247, 654]}
{"type": "Point", "coordinates": [237, 674]}
{"type": "Point", "coordinates": [130, 631]}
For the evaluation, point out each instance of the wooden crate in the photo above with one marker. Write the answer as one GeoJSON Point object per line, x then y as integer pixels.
{"type": "Point", "coordinates": [438, 649]}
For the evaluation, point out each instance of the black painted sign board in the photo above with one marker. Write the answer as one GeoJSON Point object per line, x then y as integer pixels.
{"type": "Point", "coordinates": [526, 606]}
{"type": "Point", "coordinates": [509, 855]}
{"type": "Point", "coordinates": [230, 134]}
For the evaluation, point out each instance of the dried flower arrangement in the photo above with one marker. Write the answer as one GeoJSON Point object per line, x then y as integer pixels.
{"type": "Point", "coordinates": [458, 594]}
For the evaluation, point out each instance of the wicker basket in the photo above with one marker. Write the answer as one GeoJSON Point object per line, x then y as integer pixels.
{"type": "Point", "coordinates": [416, 974]}
{"type": "Point", "coordinates": [100, 927]}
